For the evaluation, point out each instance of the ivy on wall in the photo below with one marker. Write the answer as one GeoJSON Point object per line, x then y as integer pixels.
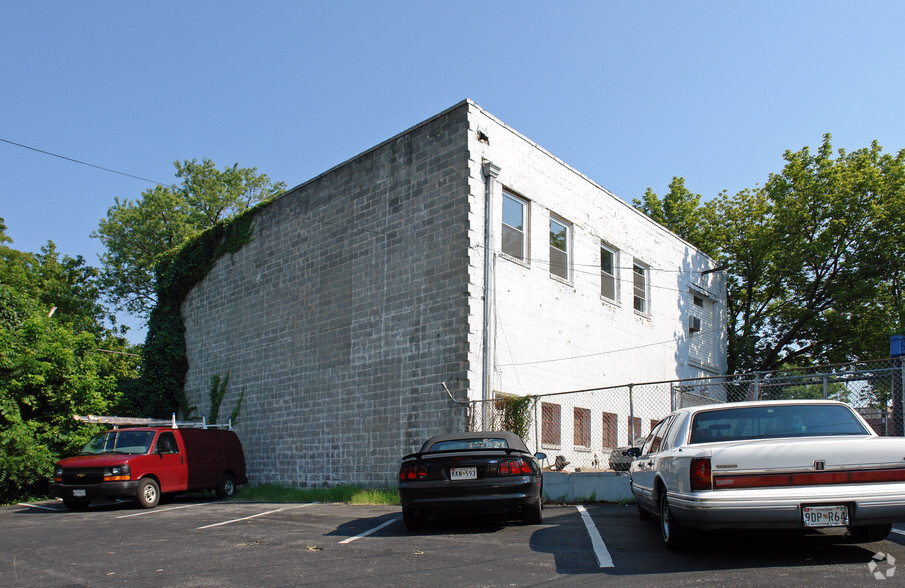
{"type": "Point", "coordinates": [516, 413]}
{"type": "Point", "coordinates": [161, 387]}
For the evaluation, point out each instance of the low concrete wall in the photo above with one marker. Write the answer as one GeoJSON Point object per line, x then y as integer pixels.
{"type": "Point", "coordinates": [596, 486]}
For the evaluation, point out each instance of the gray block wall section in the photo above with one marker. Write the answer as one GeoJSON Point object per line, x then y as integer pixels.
{"type": "Point", "coordinates": [338, 322]}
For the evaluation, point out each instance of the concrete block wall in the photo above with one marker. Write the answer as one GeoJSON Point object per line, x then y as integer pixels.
{"type": "Point", "coordinates": [338, 322]}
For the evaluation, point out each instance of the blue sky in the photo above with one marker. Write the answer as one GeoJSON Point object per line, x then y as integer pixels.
{"type": "Point", "coordinates": [629, 93]}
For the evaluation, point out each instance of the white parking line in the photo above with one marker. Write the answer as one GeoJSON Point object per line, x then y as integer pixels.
{"type": "Point", "coordinates": [260, 514]}
{"type": "Point", "coordinates": [600, 550]}
{"type": "Point", "coordinates": [57, 508]}
{"type": "Point", "coordinates": [161, 510]}
{"type": "Point", "coordinates": [366, 533]}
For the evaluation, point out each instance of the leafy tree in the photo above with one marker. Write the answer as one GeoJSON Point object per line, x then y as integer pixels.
{"type": "Point", "coordinates": [815, 259]}
{"type": "Point", "coordinates": [136, 234]}
{"type": "Point", "coordinates": [51, 363]}
{"type": "Point", "coordinates": [679, 210]}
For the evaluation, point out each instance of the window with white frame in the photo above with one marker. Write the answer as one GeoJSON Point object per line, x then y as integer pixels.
{"type": "Point", "coordinates": [559, 248]}
{"type": "Point", "coordinates": [608, 281]}
{"type": "Point", "coordinates": [514, 229]}
{"type": "Point", "coordinates": [641, 287]}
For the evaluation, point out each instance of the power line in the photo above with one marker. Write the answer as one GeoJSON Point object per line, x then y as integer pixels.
{"type": "Point", "coordinates": [620, 350]}
{"type": "Point", "coordinates": [107, 169]}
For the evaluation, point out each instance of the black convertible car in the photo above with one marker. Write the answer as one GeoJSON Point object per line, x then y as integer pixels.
{"type": "Point", "coordinates": [487, 472]}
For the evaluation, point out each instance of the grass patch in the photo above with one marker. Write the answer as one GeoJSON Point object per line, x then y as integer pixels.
{"type": "Point", "coordinates": [344, 494]}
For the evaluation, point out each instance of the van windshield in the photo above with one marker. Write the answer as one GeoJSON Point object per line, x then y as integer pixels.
{"type": "Point", "coordinates": [133, 442]}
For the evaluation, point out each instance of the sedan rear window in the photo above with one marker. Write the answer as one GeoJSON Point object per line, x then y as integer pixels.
{"type": "Point", "coordinates": [466, 444]}
{"type": "Point", "coordinates": [769, 422]}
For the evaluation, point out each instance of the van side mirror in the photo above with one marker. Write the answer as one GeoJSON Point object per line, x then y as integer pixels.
{"type": "Point", "coordinates": [540, 456]}
{"type": "Point", "coordinates": [632, 452]}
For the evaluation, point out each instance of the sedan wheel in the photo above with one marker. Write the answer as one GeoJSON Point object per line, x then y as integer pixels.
{"type": "Point", "coordinates": [674, 535]}
{"type": "Point", "coordinates": [870, 533]}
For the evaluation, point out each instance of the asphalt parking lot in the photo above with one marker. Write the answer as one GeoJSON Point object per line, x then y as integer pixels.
{"type": "Point", "coordinates": [196, 541]}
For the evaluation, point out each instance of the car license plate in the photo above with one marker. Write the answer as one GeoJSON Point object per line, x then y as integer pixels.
{"type": "Point", "coordinates": [463, 474]}
{"type": "Point", "coordinates": [78, 492]}
{"type": "Point", "coordinates": [825, 516]}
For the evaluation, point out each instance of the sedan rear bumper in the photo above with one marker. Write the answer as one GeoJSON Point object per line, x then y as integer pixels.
{"type": "Point", "coordinates": [782, 507]}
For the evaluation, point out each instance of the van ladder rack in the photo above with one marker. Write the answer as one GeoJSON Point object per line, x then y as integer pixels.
{"type": "Point", "coordinates": [148, 422]}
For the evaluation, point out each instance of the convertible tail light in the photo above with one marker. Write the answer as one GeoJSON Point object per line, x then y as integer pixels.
{"type": "Point", "coordinates": [514, 467]}
{"type": "Point", "coordinates": [701, 478]}
{"type": "Point", "coordinates": [412, 472]}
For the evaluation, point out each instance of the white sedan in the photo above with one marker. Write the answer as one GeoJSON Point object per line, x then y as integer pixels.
{"type": "Point", "coordinates": [790, 464]}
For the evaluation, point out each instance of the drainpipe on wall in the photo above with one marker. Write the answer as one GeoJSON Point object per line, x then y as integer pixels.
{"type": "Point", "coordinates": [490, 171]}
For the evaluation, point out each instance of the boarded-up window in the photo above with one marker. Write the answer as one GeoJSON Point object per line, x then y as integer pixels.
{"type": "Point", "coordinates": [610, 430]}
{"type": "Point", "coordinates": [582, 427]}
{"type": "Point", "coordinates": [550, 428]}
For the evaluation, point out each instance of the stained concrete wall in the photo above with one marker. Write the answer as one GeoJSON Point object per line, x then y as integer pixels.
{"type": "Point", "coordinates": [338, 321]}
{"type": "Point", "coordinates": [590, 486]}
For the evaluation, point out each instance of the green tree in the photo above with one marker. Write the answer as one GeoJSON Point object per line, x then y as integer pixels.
{"type": "Point", "coordinates": [56, 360]}
{"type": "Point", "coordinates": [136, 234]}
{"type": "Point", "coordinates": [815, 260]}
{"type": "Point", "coordinates": [679, 211]}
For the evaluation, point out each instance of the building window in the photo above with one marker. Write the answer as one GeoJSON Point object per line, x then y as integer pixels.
{"type": "Point", "coordinates": [559, 249]}
{"type": "Point", "coordinates": [608, 273]}
{"type": "Point", "coordinates": [514, 222]}
{"type": "Point", "coordinates": [641, 288]}
{"type": "Point", "coordinates": [634, 429]}
{"type": "Point", "coordinates": [700, 329]}
{"type": "Point", "coordinates": [610, 430]}
{"type": "Point", "coordinates": [549, 423]}
{"type": "Point", "coordinates": [582, 427]}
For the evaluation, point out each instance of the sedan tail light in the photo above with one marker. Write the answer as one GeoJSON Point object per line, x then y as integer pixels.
{"type": "Point", "coordinates": [514, 467]}
{"type": "Point", "coordinates": [412, 472]}
{"type": "Point", "coordinates": [701, 478]}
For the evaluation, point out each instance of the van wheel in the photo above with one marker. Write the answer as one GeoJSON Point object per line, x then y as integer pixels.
{"type": "Point", "coordinates": [148, 494]}
{"type": "Point", "coordinates": [227, 487]}
{"type": "Point", "coordinates": [78, 505]}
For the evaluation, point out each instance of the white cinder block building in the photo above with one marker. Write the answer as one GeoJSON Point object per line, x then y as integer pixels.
{"type": "Point", "coordinates": [457, 252]}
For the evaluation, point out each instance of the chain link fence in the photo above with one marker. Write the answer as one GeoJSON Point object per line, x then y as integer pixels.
{"type": "Point", "coordinates": [587, 430]}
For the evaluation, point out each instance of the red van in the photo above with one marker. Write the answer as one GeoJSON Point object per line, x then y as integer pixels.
{"type": "Point", "coordinates": [144, 462]}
